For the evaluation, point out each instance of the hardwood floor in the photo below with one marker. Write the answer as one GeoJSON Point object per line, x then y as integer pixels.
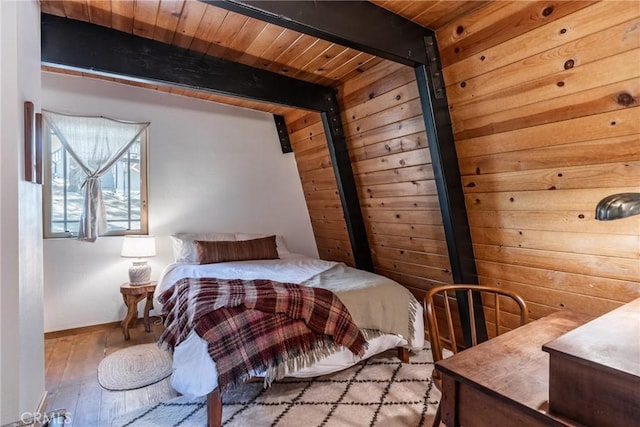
{"type": "Point", "coordinates": [71, 366]}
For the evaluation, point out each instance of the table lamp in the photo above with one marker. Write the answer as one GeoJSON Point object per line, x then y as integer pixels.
{"type": "Point", "coordinates": [139, 247]}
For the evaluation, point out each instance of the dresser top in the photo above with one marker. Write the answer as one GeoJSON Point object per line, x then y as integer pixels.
{"type": "Point", "coordinates": [611, 341]}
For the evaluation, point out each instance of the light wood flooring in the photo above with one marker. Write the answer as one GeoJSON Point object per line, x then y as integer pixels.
{"type": "Point", "coordinates": [71, 366]}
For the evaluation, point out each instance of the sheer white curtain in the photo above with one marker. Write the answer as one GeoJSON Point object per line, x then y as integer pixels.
{"type": "Point", "coordinates": [95, 143]}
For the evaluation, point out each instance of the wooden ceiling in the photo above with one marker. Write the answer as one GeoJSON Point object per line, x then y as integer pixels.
{"type": "Point", "coordinates": [429, 14]}
{"type": "Point", "coordinates": [210, 30]}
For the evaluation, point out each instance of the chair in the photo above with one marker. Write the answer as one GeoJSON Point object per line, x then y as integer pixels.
{"type": "Point", "coordinates": [500, 312]}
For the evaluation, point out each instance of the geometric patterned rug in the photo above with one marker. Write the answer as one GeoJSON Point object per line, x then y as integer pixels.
{"type": "Point", "coordinates": [381, 391]}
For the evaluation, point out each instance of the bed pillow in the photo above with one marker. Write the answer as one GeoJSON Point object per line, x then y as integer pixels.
{"type": "Point", "coordinates": [281, 246]}
{"type": "Point", "coordinates": [210, 252]}
{"type": "Point", "coordinates": [184, 247]}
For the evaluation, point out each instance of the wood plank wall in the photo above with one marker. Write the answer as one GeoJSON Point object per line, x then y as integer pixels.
{"type": "Point", "coordinates": [546, 117]}
{"type": "Point", "coordinates": [389, 152]}
{"type": "Point", "coordinates": [309, 144]}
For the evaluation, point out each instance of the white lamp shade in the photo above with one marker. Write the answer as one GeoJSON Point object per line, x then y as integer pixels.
{"type": "Point", "coordinates": [138, 246]}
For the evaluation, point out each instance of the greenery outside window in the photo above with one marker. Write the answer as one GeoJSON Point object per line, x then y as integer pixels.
{"type": "Point", "coordinates": [124, 190]}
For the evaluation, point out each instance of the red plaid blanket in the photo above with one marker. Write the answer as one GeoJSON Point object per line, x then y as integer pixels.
{"type": "Point", "coordinates": [254, 326]}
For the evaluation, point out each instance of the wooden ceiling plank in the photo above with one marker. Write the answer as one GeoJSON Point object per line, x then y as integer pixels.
{"type": "Point", "coordinates": [145, 13]}
{"type": "Point", "coordinates": [344, 57]}
{"type": "Point", "coordinates": [345, 67]}
{"type": "Point", "coordinates": [447, 11]}
{"type": "Point", "coordinates": [351, 24]}
{"type": "Point", "coordinates": [227, 32]}
{"type": "Point", "coordinates": [262, 42]}
{"type": "Point", "coordinates": [209, 25]}
{"type": "Point", "coordinates": [305, 70]}
{"type": "Point", "coordinates": [308, 55]}
{"type": "Point", "coordinates": [415, 8]}
{"type": "Point", "coordinates": [429, 14]}
{"type": "Point", "coordinates": [394, 6]}
{"type": "Point", "coordinates": [188, 22]}
{"type": "Point", "coordinates": [251, 30]}
{"type": "Point", "coordinates": [122, 16]}
{"type": "Point", "coordinates": [77, 9]}
{"type": "Point", "coordinates": [167, 21]}
{"type": "Point", "coordinates": [370, 63]}
{"type": "Point", "coordinates": [53, 7]}
{"type": "Point", "coordinates": [386, 4]}
{"type": "Point", "coordinates": [100, 12]}
{"type": "Point", "coordinates": [290, 44]}
{"type": "Point", "coordinates": [316, 66]}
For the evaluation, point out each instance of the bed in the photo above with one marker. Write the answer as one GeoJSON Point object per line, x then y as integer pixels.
{"type": "Point", "coordinates": [386, 312]}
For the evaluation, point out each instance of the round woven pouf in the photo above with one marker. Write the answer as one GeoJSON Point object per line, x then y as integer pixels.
{"type": "Point", "coordinates": [134, 367]}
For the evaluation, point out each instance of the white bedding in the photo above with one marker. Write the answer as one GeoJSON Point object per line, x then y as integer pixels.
{"type": "Point", "coordinates": [290, 268]}
{"type": "Point", "coordinates": [194, 372]}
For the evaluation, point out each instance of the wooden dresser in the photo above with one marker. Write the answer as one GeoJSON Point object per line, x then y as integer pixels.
{"type": "Point", "coordinates": [594, 370]}
{"type": "Point", "coordinates": [505, 381]}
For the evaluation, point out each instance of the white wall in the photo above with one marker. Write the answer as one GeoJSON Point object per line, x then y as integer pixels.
{"type": "Point", "coordinates": [212, 167]}
{"type": "Point", "coordinates": [21, 295]}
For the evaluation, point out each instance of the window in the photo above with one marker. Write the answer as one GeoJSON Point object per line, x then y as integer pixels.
{"type": "Point", "coordinates": [124, 189]}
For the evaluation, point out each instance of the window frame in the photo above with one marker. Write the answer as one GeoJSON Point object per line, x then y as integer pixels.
{"type": "Point", "coordinates": [47, 193]}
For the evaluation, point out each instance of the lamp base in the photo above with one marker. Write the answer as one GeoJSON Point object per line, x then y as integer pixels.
{"type": "Point", "coordinates": [139, 273]}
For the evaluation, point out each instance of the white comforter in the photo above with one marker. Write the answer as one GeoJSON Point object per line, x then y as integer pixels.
{"type": "Point", "coordinates": [194, 372]}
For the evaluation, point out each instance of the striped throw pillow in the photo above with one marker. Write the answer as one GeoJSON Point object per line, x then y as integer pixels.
{"type": "Point", "coordinates": [210, 252]}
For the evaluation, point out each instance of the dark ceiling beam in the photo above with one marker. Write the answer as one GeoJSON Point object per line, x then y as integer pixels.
{"type": "Point", "coordinates": [359, 25]}
{"type": "Point", "coordinates": [91, 48]}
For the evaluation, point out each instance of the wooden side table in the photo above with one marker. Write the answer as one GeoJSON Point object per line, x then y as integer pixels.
{"type": "Point", "coordinates": [132, 295]}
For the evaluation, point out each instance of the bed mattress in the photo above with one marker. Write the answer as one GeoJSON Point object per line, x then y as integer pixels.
{"type": "Point", "coordinates": [194, 371]}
